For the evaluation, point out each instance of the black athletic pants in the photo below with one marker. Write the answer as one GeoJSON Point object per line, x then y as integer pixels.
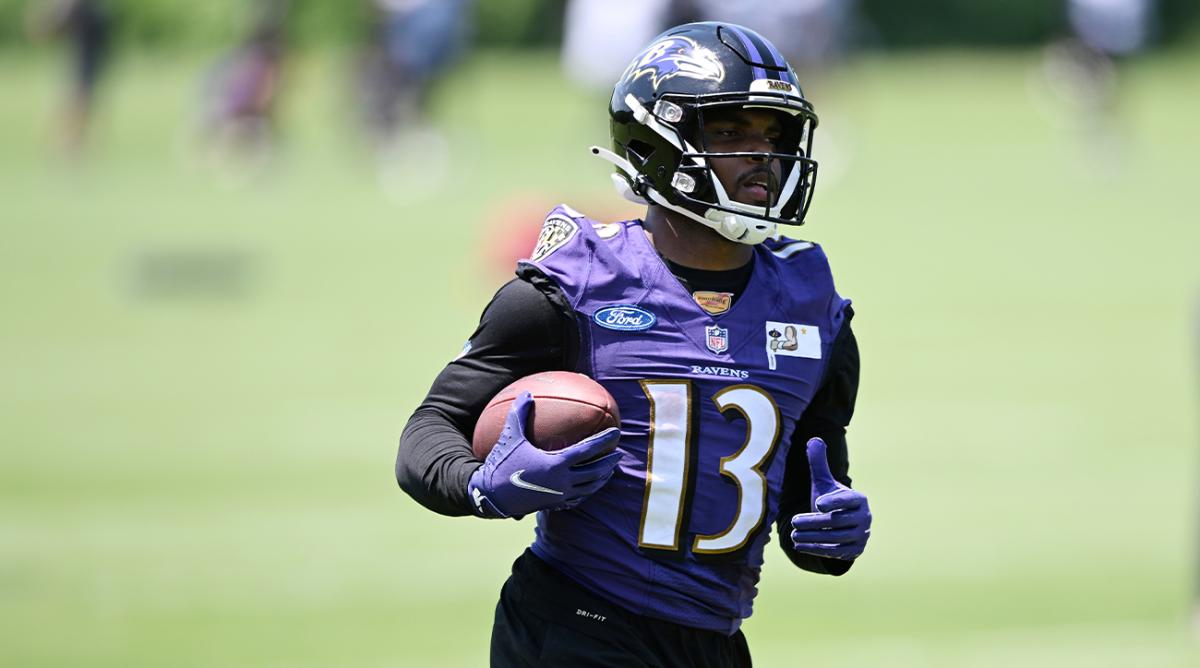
{"type": "Point", "coordinates": [546, 619]}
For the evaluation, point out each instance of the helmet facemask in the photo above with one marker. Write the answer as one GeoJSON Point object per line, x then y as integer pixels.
{"type": "Point", "coordinates": [658, 111]}
{"type": "Point", "coordinates": [787, 167]}
{"type": "Point", "coordinates": [673, 168]}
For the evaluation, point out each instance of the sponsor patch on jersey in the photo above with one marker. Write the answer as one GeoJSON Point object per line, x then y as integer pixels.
{"type": "Point", "coordinates": [716, 338]}
{"type": "Point", "coordinates": [606, 230]}
{"type": "Point", "coordinates": [624, 318]}
{"type": "Point", "coordinates": [556, 232]}
{"type": "Point", "coordinates": [715, 303]}
{"type": "Point", "coordinates": [790, 339]}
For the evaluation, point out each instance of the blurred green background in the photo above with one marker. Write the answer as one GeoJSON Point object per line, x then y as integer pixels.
{"type": "Point", "coordinates": [205, 375]}
{"type": "Point", "coordinates": [525, 23]}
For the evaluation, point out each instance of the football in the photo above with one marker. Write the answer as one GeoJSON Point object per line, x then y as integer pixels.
{"type": "Point", "coordinates": [567, 408]}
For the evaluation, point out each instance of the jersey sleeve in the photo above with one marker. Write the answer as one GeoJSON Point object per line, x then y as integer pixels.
{"type": "Point", "coordinates": [524, 330]}
{"type": "Point", "coordinates": [827, 418]}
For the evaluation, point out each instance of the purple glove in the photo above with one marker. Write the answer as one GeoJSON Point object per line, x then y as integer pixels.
{"type": "Point", "coordinates": [841, 524]}
{"type": "Point", "coordinates": [517, 478]}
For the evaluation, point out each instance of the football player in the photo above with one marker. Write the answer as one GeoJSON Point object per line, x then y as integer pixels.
{"type": "Point", "coordinates": [729, 354]}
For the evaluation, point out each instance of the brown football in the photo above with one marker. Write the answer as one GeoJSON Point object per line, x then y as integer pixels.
{"type": "Point", "coordinates": [567, 408]}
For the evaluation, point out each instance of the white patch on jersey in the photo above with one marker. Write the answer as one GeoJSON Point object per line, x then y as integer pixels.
{"type": "Point", "coordinates": [556, 232]}
{"type": "Point", "coordinates": [790, 339]}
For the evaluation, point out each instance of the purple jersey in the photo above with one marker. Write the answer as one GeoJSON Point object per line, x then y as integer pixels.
{"type": "Point", "coordinates": [708, 406]}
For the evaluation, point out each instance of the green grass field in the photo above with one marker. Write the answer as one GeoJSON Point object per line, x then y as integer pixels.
{"type": "Point", "coordinates": [203, 477]}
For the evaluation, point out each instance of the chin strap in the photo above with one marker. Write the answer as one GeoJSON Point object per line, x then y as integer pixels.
{"type": "Point", "coordinates": [749, 231]}
{"type": "Point", "coordinates": [621, 184]}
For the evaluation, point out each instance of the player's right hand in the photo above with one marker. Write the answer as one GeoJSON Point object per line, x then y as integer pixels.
{"type": "Point", "coordinates": [517, 478]}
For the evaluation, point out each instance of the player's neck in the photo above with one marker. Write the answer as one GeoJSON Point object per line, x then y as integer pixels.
{"type": "Point", "coordinates": [688, 243]}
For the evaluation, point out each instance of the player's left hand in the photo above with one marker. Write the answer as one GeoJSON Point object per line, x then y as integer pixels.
{"type": "Point", "coordinates": [841, 522]}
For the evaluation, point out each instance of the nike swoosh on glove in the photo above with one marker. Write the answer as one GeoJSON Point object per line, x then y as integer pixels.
{"type": "Point", "coordinates": [841, 522]}
{"type": "Point", "coordinates": [517, 478]}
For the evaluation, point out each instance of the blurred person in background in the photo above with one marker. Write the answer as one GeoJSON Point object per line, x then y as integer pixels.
{"type": "Point", "coordinates": [599, 39]}
{"type": "Point", "coordinates": [241, 92]}
{"type": "Point", "coordinates": [813, 35]}
{"type": "Point", "coordinates": [600, 36]}
{"type": "Point", "coordinates": [1112, 28]}
{"type": "Point", "coordinates": [1082, 68]}
{"type": "Point", "coordinates": [412, 43]}
{"type": "Point", "coordinates": [87, 25]}
{"type": "Point", "coordinates": [726, 347]}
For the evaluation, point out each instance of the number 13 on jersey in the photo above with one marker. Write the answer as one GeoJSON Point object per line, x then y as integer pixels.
{"type": "Point", "coordinates": [669, 464]}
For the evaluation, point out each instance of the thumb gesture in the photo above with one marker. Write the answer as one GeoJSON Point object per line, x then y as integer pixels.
{"type": "Point", "coordinates": [840, 522]}
{"type": "Point", "coordinates": [827, 493]}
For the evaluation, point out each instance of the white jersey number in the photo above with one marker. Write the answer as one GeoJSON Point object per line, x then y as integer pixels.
{"type": "Point", "coordinates": [669, 462]}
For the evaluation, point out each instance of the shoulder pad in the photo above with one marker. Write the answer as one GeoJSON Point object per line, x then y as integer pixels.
{"type": "Point", "coordinates": [561, 225]}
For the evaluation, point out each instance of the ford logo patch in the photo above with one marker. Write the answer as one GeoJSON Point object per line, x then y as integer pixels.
{"type": "Point", "coordinates": [624, 318]}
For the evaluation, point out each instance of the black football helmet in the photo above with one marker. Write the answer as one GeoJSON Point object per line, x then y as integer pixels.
{"type": "Point", "coordinates": [657, 115]}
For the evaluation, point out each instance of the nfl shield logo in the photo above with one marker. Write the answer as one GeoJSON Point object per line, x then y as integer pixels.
{"type": "Point", "coordinates": [717, 339]}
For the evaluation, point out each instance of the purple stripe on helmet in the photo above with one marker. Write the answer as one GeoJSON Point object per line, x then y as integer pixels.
{"type": "Point", "coordinates": [778, 57]}
{"type": "Point", "coordinates": [759, 73]}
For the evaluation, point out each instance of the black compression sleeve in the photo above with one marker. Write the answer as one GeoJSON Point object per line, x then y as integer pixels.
{"type": "Point", "coordinates": [826, 417]}
{"type": "Point", "coordinates": [525, 329]}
